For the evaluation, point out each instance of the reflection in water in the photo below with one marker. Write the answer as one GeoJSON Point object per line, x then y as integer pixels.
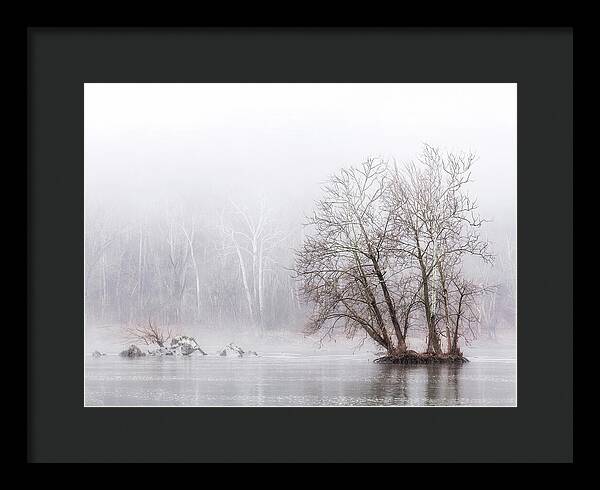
{"type": "Point", "coordinates": [453, 381]}
{"type": "Point", "coordinates": [295, 381]}
{"type": "Point", "coordinates": [433, 382]}
{"type": "Point", "coordinates": [404, 384]}
{"type": "Point", "coordinates": [390, 386]}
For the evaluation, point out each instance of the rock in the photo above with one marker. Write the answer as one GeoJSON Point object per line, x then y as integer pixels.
{"type": "Point", "coordinates": [132, 351]}
{"type": "Point", "coordinates": [97, 353]}
{"type": "Point", "coordinates": [234, 350]}
{"type": "Point", "coordinates": [181, 345]}
{"type": "Point", "coordinates": [186, 345]}
{"type": "Point", "coordinates": [160, 351]}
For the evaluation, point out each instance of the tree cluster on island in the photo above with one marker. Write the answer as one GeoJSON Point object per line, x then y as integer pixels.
{"type": "Point", "coordinates": [385, 251]}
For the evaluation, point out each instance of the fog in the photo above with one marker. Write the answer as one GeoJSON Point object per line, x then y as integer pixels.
{"type": "Point", "coordinates": [164, 162]}
{"type": "Point", "coordinates": [150, 141]}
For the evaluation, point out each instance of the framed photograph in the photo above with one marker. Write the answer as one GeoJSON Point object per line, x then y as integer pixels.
{"type": "Point", "coordinates": [324, 241]}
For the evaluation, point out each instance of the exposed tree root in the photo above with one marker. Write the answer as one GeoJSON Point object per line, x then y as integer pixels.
{"type": "Point", "coordinates": [412, 357]}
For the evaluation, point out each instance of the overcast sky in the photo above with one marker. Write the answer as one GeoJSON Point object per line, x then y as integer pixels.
{"type": "Point", "coordinates": [243, 141]}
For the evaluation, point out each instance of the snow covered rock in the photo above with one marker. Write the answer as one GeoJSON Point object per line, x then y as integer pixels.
{"type": "Point", "coordinates": [97, 353]}
{"type": "Point", "coordinates": [161, 351]}
{"type": "Point", "coordinates": [186, 345]}
{"type": "Point", "coordinates": [133, 351]}
{"type": "Point", "coordinates": [197, 353]}
{"type": "Point", "coordinates": [181, 345]}
{"type": "Point", "coordinates": [234, 350]}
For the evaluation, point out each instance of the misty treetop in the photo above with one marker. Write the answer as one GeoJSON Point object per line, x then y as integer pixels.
{"type": "Point", "coordinates": [385, 253]}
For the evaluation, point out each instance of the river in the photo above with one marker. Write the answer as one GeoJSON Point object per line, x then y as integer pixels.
{"type": "Point", "coordinates": [295, 380]}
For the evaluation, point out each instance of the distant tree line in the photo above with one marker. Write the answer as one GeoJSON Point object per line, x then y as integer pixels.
{"type": "Point", "coordinates": [180, 266]}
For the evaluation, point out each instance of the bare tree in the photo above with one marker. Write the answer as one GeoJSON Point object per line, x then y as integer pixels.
{"type": "Point", "coordinates": [463, 310]}
{"type": "Point", "coordinates": [149, 334]}
{"type": "Point", "coordinates": [177, 254]}
{"type": "Point", "coordinates": [386, 249]}
{"type": "Point", "coordinates": [344, 267]}
{"type": "Point", "coordinates": [435, 224]}
{"type": "Point", "coordinates": [497, 310]}
{"type": "Point", "coordinates": [252, 239]}
{"type": "Point", "coordinates": [189, 236]}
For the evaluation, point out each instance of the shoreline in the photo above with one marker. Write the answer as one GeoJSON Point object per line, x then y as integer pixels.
{"type": "Point", "coordinates": [412, 357]}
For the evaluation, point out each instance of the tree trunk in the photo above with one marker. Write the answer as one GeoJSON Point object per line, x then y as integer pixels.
{"type": "Point", "coordinates": [190, 240]}
{"type": "Point", "coordinates": [104, 288]}
{"type": "Point", "coordinates": [446, 310]}
{"type": "Point", "coordinates": [260, 286]}
{"type": "Point", "coordinates": [372, 301]}
{"type": "Point", "coordinates": [455, 349]}
{"type": "Point", "coordinates": [401, 347]}
{"type": "Point", "coordinates": [433, 340]}
{"type": "Point", "coordinates": [140, 276]}
{"type": "Point", "coordinates": [433, 343]}
{"type": "Point", "coordinates": [245, 280]}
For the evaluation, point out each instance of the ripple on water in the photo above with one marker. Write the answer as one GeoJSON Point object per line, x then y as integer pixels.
{"type": "Point", "coordinates": [295, 380]}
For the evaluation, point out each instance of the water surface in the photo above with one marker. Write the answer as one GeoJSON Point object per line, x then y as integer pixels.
{"type": "Point", "coordinates": [295, 380]}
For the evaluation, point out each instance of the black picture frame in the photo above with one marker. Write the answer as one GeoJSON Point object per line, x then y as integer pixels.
{"type": "Point", "coordinates": [60, 429]}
